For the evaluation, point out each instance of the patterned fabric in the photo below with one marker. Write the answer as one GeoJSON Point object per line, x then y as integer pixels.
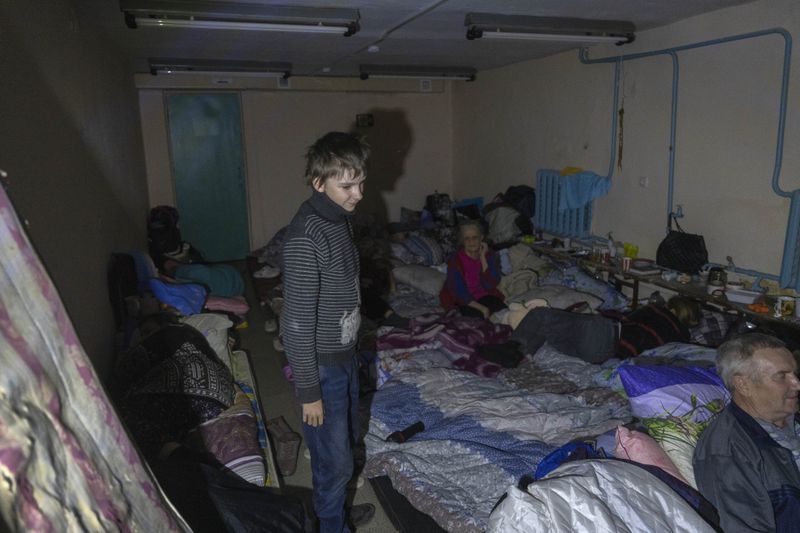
{"type": "Point", "coordinates": [712, 329]}
{"type": "Point", "coordinates": [169, 383]}
{"type": "Point", "coordinates": [456, 336]}
{"type": "Point", "coordinates": [68, 425]}
{"type": "Point", "coordinates": [191, 372]}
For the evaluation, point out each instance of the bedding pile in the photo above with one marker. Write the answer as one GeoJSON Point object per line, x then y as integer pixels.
{"type": "Point", "coordinates": [481, 436]}
{"type": "Point", "coordinates": [485, 433]}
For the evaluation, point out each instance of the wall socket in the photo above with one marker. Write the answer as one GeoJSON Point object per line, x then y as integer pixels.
{"type": "Point", "coordinates": [425, 85]}
{"type": "Point", "coordinates": [643, 182]}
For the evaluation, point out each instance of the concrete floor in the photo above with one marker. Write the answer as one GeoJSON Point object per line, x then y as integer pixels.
{"type": "Point", "coordinates": [277, 399]}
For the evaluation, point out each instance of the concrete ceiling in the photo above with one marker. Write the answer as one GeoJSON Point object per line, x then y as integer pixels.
{"type": "Point", "coordinates": [405, 32]}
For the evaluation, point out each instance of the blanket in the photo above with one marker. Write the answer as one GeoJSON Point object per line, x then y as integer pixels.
{"type": "Point", "coordinates": [456, 336]}
{"type": "Point", "coordinates": [481, 435]}
{"type": "Point", "coordinates": [596, 495]}
{"type": "Point", "coordinates": [67, 461]}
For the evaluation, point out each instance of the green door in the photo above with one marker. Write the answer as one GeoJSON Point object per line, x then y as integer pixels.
{"type": "Point", "coordinates": [205, 133]}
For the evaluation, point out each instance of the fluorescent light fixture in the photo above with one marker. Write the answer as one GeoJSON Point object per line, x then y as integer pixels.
{"type": "Point", "coordinates": [417, 72]}
{"type": "Point", "coordinates": [554, 29]}
{"type": "Point", "coordinates": [224, 25]}
{"type": "Point", "coordinates": [239, 16]}
{"type": "Point", "coordinates": [211, 67]}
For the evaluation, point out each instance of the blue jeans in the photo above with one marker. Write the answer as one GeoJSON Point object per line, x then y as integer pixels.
{"type": "Point", "coordinates": [331, 444]}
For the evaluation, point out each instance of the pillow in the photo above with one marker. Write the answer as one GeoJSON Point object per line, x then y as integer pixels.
{"type": "Point", "coordinates": [214, 328]}
{"type": "Point", "coordinates": [641, 448]}
{"type": "Point", "coordinates": [662, 391]}
{"type": "Point", "coordinates": [400, 252]}
{"type": "Point", "coordinates": [678, 438]}
{"type": "Point", "coordinates": [426, 248]}
{"type": "Point", "coordinates": [575, 277]}
{"type": "Point", "coordinates": [232, 438]}
{"type": "Point", "coordinates": [423, 278]}
{"type": "Point", "coordinates": [675, 352]}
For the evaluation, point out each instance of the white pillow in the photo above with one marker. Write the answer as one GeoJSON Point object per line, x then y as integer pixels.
{"type": "Point", "coordinates": [423, 278]}
{"type": "Point", "coordinates": [214, 328]}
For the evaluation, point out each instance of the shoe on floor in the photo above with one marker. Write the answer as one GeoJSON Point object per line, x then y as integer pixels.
{"type": "Point", "coordinates": [307, 454]}
{"type": "Point", "coordinates": [277, 344]}
{"type": "Point", "coordinates": [277, 305]}
{"type": "Point", "coordinates": [270, 325]}
{"type": "Point", "coordinates": [267, 272]}
{"type": "Point", "coordinates": [361, 514]}
{"type": "Point", "coordinates": [286, 443]}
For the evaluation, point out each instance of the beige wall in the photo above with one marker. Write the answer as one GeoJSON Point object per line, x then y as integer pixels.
{"type": "Point", "coordinates": [556, 112]}
{"type": "Point", "coordinates": [411, 142]}
{"type": "Point", "coordinates": [70, 142]}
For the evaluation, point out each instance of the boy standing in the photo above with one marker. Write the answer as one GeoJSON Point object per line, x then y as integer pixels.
{"type": "Point", "coordinates": [321, 317]}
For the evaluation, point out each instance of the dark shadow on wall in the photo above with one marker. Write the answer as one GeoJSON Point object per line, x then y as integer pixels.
{"type": "Point", "coordinates": [390, 137]}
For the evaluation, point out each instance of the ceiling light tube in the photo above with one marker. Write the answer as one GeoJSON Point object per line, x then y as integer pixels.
{"type": "Point", "coordinates": [554, 29]}
{"type": "Point", "coordinates": [553, 37]}
{"type": "Point", "coordinates": [411, 76]}
{"type": "Point", "coordinates": [232, 25]}
{"type": "Point", "coordinates": [416, 72]}
{"type": "Point", "coordinates": [222, 73]}
{"type": "Point", "coordinates": [215, 14]}
{"type": "Point", "coordinates": [210, 67]}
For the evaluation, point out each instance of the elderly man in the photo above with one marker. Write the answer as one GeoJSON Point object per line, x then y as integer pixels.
{"type": "Point", "coordinates": [746, 461]}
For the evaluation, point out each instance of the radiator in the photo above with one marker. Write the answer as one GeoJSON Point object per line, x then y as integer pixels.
{"type": "Point", "coordinates": [548, 218]}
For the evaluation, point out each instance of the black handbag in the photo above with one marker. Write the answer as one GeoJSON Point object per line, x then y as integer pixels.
{"type": "Point", "coordinates": [681, 251]}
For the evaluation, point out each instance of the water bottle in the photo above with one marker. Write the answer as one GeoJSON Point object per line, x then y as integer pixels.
{"type": "Point", "coordinates": [405, 434]}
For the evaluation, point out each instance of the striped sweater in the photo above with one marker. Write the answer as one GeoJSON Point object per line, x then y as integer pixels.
{"type": "Point", "coordinates": [321, 315]}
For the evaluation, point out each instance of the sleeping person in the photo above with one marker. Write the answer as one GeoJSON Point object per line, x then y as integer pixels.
{"type": "Point", "coordinates": [473, 273]}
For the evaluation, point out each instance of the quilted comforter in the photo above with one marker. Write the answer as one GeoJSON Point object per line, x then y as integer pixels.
{"type": "Point", "coordinates": [481, 436]}
{"type": "Point", "coordinates": [596, 495]}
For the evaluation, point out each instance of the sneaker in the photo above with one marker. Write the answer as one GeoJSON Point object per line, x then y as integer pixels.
{"type": "Point", "coordinates": [277, 305]}
{"type": "Point", "coordinates": [267, 272]}
{"type": "Point", "coordinates": [361, 514]}
{"type": "Point", "coordinates": [277, 344]}
{"type": "Point", "coordinates": [270, 325]}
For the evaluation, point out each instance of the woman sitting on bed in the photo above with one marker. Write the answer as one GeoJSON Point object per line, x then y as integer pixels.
{"type": "Point", "coordinates": [473, 273]}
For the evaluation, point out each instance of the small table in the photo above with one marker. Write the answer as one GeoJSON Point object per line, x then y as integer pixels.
{"type": "Point", "coordinates": [694, 290]}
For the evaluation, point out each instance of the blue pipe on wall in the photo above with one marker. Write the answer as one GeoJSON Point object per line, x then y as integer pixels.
{"type": "Point", "coordinates": [787, 53]}
{"type": "Point", "coordinates": [672, 138]}
{"type": "Point", "coordinates": [612, 158]}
